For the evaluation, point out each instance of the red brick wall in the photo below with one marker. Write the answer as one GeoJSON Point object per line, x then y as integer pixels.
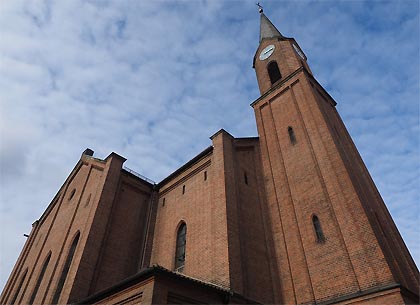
{"type": "Point", "coordinates": [100, 192]}
{"type": "Point", "coordinates": [54, 232]}
{"type": "Point", "coordinates": [87, 193]}
{"type": "Point", "coordinates": [253, 232]}
{"type": "Point", "coordinates": [122, 249]}
{"type": "Point", "coordinates": [95, 224]}
{"type": "Point", "coordinates": [195, 207]}
{"type": "Point", "coordinates": [316, 177]}
{"type": "Point", "coordinates": [398, 258]}
{"type": "Point", "coordinates": [226, 236]}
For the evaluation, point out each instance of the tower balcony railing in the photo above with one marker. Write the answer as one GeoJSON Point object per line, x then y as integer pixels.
{"type": "Point", "coordinates": [138, 175]}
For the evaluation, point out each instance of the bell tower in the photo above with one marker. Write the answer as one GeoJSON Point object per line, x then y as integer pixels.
{"type": "Point", "coordinates": [334, 239]}
{"type": "Point", "coordinates": [277, 56]}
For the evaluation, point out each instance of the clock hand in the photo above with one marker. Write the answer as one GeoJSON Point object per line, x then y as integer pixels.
{"type": "Point", "coordinates": [268, 51]}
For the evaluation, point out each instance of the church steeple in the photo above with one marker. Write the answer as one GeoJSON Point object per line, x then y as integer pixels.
{"type": "Point", "coordinates": [332, 234]}
{"type": "Point", "coordinates": [277, 56]}
{"type": "Point", "coordinates": [267, 29]}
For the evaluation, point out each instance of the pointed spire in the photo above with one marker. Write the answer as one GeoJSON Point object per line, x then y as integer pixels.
{"type": "Point", "coordinates": [267, 29]}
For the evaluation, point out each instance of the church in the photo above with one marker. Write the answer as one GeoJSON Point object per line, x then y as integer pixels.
{"type": "Point", "coordinates": [289, 217]}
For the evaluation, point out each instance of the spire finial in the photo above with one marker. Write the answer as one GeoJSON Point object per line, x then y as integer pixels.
{"type": "Point", "coordinates": [260, 8]}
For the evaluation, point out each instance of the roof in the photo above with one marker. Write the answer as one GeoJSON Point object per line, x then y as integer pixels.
{"type": "Point", "coordinates": [267, 29]}
{"type": "Point", "coordinates": [186, 165]}
{"type": "Point", "coordinates": [152, 271]}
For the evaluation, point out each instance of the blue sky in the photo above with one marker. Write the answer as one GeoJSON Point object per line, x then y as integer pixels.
{"type": "Point", "coordinates": [152, 80]}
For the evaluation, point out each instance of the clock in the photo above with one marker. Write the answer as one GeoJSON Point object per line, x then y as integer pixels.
{"type": "Point", "coordinates": [266, 53]}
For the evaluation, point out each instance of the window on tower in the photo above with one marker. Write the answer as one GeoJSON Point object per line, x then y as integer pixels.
{"type": "Point", "coordinates": [72, 194]}
{"type": "Point", "coordinates": [181, 240]}
{"type": "Point", "coordinates": [291, 135]}
{"type": "Point", "coordinates": [320, 238]}
{"type": "Point", "coordinates": [273, 72]}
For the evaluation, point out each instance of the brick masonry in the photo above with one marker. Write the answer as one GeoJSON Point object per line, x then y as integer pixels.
{"type": "Point", "coordinates": [248, 205]}
{"type": "Point", "coordinates": [321, 174]}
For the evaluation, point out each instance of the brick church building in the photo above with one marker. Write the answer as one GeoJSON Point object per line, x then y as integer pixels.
{"type": "Point", "coordinates": [289, 217]}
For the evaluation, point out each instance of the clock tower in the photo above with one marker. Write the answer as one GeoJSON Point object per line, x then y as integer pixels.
{"type": "Point", "coordinates": [334, 239]}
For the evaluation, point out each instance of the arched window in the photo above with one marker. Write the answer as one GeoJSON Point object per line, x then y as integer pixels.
{"type": "Point", "coordinates": [22, 279]}
{"type": "Point", "coordinates": [66, 268]}
{"type": "Point", "coordinates": [41, 275]}
{"type": "Point", "coordinates": [273, 72]}
{"type": "Point", "coordinates": [291, 135]}
{"type": "Point", "coordinates": [181, 240]}
{"type": "Point", "coordinates": [320, 238]}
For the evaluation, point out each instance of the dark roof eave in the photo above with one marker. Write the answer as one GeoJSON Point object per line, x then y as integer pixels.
{"type": "Point", "coordinates": [143, 275]}
{"type": "Point", "coordinates": [186, 165]}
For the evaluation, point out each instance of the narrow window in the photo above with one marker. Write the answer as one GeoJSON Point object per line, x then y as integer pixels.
{"type": "Point", "coordinates": [72, 194]}
{"type": "Point", "coordinates": [291, 135]}
{"type": "Point", "coordinates": [88, 200]}
{"type": "Point", "coordinates": [205, 175]}
{"type": "Point", "coordinates": [245, 178]}
{"type": "Point", "coordinates": [183, 189]}
{"type": "Point", "coordinates": [22, 279]}
{"type": "Point", "coordinates": [163, 202]}
{"type": "Point", "coordinates": [66, 268]}
{"type": "Point", "coordinates": [41, 275]}
{"type": "Point", "coordinates": [320, 238]}
{"type": "Point", "coordinates": [181, 240]}
{"type": "Point", "coordinates": [273, 72]}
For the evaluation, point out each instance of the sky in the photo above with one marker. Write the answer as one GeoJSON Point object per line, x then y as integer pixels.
{"type": "Point", "coordinates": [152, 80]}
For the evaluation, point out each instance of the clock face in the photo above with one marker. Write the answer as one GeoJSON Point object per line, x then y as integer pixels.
{"type": "Point", "coordinates": [266, 53]}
